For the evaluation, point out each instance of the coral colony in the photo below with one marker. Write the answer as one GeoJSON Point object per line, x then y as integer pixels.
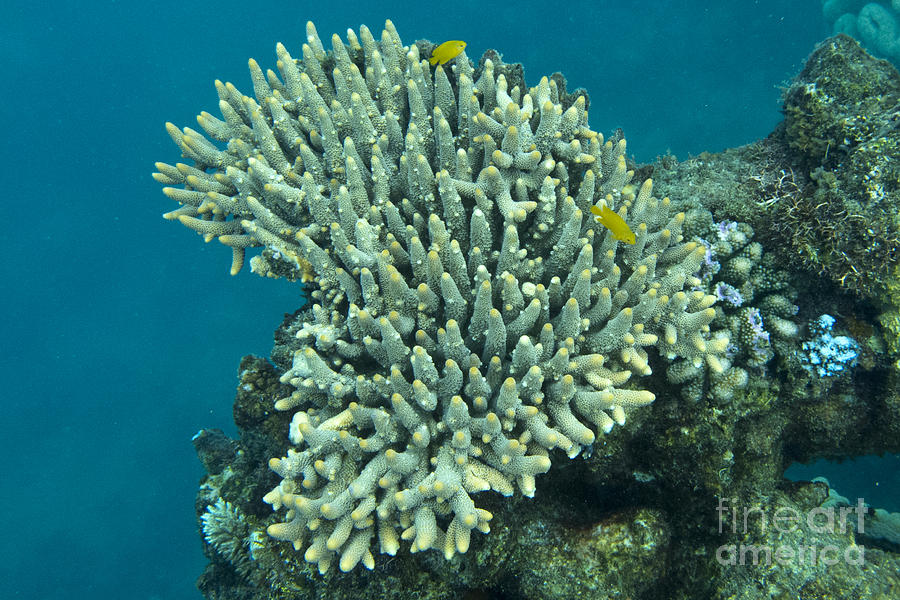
{"type": "Point", "coordinates": [469, 321]}
{"type": "Point", "coordinates": [826, 354]}
{"type": "Point", "coordinates": [492, 292]}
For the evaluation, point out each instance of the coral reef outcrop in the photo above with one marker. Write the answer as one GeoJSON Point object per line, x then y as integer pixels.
{"type": "Point", "coordinates": [470, 325]}
{"type": "Point", "coordinates": [467, 316]}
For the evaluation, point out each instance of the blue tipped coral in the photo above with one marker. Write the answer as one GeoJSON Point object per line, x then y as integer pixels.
{"type": "Point", "coordinates": [826, 354]}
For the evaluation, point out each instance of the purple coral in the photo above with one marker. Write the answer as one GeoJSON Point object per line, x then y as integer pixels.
{"type": "Point", "coordinates": [728, 293]}
{"type": "Point", "coordinates": [725, 228]}
{"type": "Point", "coordinates": [759, 337]}
{"type": "Point", "coordinates": [710, 265]}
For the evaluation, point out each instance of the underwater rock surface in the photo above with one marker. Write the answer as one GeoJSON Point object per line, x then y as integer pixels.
{"type": "Point", "coordinates": [653, 508]}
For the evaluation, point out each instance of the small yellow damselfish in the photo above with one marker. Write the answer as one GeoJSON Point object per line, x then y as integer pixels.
{"type": "Point", "coordinates": [616, 224]}
{"type": "Point", "coordinates": [446, 51]}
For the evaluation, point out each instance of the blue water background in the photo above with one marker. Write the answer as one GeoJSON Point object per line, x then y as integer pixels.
{"type": "Point", "coordinates": [122, 332]}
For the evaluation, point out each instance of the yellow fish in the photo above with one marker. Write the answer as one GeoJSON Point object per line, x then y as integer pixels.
{"type": "Point", "coordinates": [446, 51]}
{"type": "Point", "coordinates": [616, 224]}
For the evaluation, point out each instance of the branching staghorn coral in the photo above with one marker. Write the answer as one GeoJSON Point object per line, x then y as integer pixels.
{"type": "Point", "coordinates": [467, 315]}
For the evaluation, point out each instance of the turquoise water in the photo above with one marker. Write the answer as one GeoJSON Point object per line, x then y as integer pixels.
{"type": "Point", "coordinates": [122, 335]}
